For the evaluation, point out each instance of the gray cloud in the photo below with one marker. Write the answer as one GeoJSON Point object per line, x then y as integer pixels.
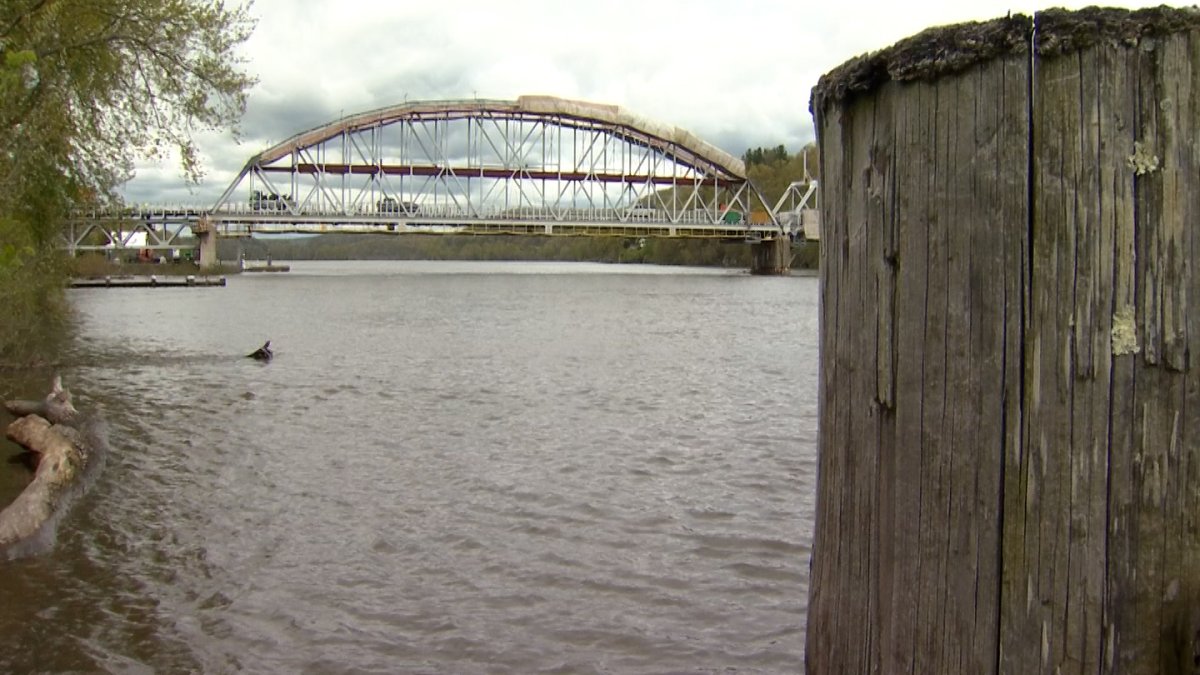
{"type": "Point", "coordinates": [269, 120]}
{"type": "Point", "coordinates": [736, 74]}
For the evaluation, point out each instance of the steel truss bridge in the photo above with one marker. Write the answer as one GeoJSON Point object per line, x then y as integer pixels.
{"type": "Point", "coordinates": [535, 166]}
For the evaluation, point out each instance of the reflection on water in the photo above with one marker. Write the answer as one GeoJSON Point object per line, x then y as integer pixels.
{"type": "Point", "coordinates": [447, 467]}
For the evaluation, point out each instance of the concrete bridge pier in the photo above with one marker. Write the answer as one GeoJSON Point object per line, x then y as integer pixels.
{"type": "Point", "coordinates": [207, 235]}
{"type": "Point", "coordinates": [771, 257]}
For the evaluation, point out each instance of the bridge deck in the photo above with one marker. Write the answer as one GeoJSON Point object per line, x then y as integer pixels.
{"type": "Point", "coordinates": [167, 228]}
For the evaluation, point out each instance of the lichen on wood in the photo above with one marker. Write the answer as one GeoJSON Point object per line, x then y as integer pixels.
{"type": "Point", "coordinates": [1124, 333]}
{"type": "Point", "coordinates": [945, 50]}
{"type": "Point", "coordinates": [933, 53]}
{"type": "Point", "coordinates": [1142, 161]}
{"type": "Point", "coordinates": [1061, 31]}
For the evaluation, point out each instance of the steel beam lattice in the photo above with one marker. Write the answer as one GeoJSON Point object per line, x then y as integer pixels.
{"type": "Point", "coordinates": [537, 165]}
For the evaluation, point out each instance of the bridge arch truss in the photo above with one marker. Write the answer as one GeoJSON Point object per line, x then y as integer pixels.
{"type": "Point", "coordinates": [537, 165]}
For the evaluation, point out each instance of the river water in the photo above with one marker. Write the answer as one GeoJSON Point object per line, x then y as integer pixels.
{"type": "Point", "coordinates": [447, 468]}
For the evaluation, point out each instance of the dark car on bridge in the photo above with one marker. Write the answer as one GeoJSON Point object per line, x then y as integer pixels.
{"type": "Point", "coordinates": [392, 205]}
{"type": "Point", "coordinates": [643, 212]}
{"type": "Point", "coordinates": [269, 201]}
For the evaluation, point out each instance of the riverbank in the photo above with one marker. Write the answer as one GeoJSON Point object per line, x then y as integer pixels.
{"type": "Point", "coordinates": [652, 251]}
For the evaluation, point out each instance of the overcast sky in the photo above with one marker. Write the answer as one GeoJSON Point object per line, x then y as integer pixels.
{"type": "Point", "coordinates": [736, 73]}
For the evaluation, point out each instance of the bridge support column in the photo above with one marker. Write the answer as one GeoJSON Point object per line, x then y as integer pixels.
{"type": "Point", "coordinates": [207, 235]}
{"type": "Point", "coordinates": [771, 257]}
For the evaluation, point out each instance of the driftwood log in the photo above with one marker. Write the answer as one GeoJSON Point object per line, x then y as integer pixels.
{"type": "Point", "coordinates": [1009, 473]}
{"type": "Point", "coordinates": [65, 456]}
{"type": "Point", "coordinates": [56, 407]}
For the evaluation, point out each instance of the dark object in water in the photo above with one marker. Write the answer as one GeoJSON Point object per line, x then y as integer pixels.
{"type": "Point", "coordinates": [263, 353]}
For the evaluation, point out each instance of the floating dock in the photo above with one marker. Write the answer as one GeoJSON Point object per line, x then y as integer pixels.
{"type": "Point", "coordinates": [151, 281]}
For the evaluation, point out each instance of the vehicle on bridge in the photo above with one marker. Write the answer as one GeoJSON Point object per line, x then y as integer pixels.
{"type": "Point", "coordinates": [644, 212]}
{"type": "Point", "coordinates": [269, 201]}
{"type": "Point", "coordinates": [393, 205]}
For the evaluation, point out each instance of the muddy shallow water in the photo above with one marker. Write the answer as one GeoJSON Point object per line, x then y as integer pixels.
{"type": "Point", "coordinates": [448, 467]}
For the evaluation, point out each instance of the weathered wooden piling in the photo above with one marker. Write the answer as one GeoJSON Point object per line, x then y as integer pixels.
{"type": "Point", "coordinates": [1010, 421]}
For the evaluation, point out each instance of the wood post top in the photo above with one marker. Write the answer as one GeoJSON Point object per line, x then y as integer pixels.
{"type": "Point", "coordinates": [945, 50]}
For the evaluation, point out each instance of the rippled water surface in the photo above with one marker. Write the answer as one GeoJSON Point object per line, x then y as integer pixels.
{"type": "Point", "coordinates": [448, 468]}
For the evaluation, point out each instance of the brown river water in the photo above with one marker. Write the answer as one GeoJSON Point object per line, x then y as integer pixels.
{"type": "Point", "coordinates": [447, 468]}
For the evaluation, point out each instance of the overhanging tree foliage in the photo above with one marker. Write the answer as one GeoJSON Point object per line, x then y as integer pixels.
{"type": "Point", "coordinates": [87, 86]}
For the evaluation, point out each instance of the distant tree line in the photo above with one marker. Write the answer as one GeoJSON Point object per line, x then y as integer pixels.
{"type": "Point", "coordinates": [773, 155]}
{"type": "Point", "coordinates": [694, 252]}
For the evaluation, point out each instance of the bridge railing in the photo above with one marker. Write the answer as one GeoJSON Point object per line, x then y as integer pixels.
{"type": "Point", "coordinates": [162, 226]}
{"type": "Point", "coordinates": [455, 213]}
{"type": "Point", "coordinates": [158, 213]}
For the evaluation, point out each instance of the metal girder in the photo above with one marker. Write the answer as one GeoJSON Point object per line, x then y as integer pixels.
{"type": "Point", "coordinates": [451, 161]}
{"type": "Point", "coordinates": [798, 202]}
{"type": "Point", "coordinates": [538, 165]}
{"type": "Point", "coordinates": [148, 228]}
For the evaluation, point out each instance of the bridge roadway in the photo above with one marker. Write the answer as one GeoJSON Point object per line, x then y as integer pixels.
{"type": "Point", "coordinates": [157, 228]}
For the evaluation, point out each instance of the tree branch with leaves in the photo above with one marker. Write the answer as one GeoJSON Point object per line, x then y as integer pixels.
{"type": "Point", "coordinates": [87, 87]}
